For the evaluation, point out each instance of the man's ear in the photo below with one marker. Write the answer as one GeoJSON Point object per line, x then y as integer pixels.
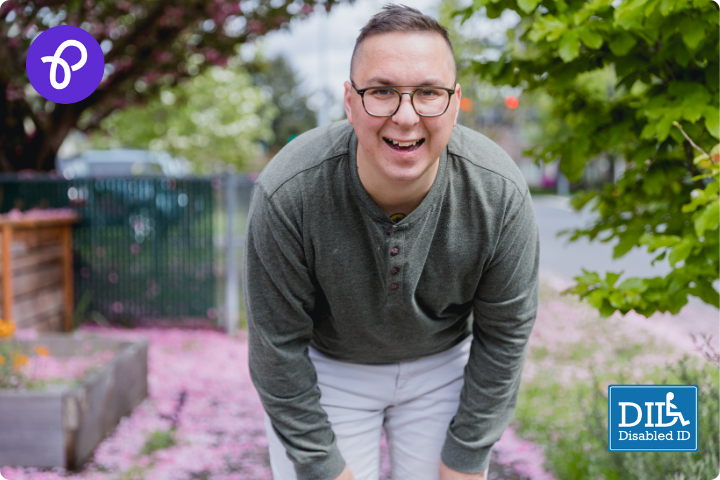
{"type": "Point", "coordinates": [347, 99]}
{"type": "Point", "coordinates": [458, 93]}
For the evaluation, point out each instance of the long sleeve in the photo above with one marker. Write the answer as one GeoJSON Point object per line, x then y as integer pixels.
{"type": "Point", "coordinates": [504, 312]}
{"type": "Point", "coordinates": [279, 294]}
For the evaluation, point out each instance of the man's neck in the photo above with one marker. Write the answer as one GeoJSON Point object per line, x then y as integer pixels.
{"type": "Point", "coordinates": [395, 196]}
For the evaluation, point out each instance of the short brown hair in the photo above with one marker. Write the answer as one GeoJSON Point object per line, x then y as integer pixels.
{"type": "Point", "coordinates": [400, 18]}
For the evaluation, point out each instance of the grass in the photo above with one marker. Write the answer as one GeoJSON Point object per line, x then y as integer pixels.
{"type": "Point", "coordinates": [158, 440]}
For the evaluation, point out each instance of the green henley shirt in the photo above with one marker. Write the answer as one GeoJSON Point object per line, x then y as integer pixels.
{"type": "Point", "coordinates": [325, 266]}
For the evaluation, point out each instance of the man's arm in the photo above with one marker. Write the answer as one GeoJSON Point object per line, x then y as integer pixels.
{"type": "Point", "coordinates": [504, 312]}
{"type": "Point", "coordinates": [279, 293]}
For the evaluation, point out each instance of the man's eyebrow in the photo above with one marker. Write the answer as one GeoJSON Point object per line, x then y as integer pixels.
{"type": "Point", "coordinates": [387, 82]}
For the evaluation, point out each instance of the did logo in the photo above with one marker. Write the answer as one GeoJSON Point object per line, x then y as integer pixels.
{"type": "Point", "coordinates": [653, 418]}
{"type": "Point", "coordinates": [65, 64]}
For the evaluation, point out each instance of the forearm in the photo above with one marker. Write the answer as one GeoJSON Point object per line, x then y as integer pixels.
{"type": "Point", "coordinates": [288, 390]}
{"type": "Point", "coordinates": [279, 294]}
{"type": "Point", "coordinates": [487, 404]}
{"type": "Point", "coordinates": [504, 313]}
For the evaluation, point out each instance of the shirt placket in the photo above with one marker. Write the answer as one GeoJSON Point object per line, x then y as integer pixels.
{"type": "Point", "coordinates": [397, 255]}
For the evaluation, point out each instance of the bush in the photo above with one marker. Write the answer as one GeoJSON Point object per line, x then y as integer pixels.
{"type": "Point", "coordinates": [703, 464]}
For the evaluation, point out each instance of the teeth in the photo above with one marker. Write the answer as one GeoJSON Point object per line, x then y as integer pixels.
{"type": "Point", "coordinates": [404, 144]}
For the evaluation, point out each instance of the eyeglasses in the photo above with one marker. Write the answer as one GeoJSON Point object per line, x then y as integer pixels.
{"type": "Point", "coordinates": [430, 101]}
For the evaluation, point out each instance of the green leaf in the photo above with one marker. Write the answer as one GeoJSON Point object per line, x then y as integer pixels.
{"type": "Point", "coordinates": [659, 258]}
{"type": "Point", "coordinates": [663, 128]}
{"type": "Point", "coordinates": [569, 46]}
{"type": "Point", "coordinates": [693, 32]}
{"type": "Point", "coordinates": [616, 299]}
{"type": "Point", "coordinates": [633, 283]}
{"type": "Point", "coordinates": [706, 292]}
{"type": "Point", "coordinates": [680, 251]}
{"type": "Point", "coordinates": [627, 242]}
{"type": "Point", "coordinates": [659, 241]}
{"type": "Point", "coordinates": [667, 6]}
{"type": "Point", "coordinates": [611, 278]}
{"type": "Point", "coordinates": [590, 38]}
{"type": "Point", "coordinates": [712, 120]}
{"type": "Point", "coordinates": [693, 111]}
{"type": "Point", "coordinates": [691, 94]}
{"type": "Point", "coordinates": [596, 298]}
{"type": "Point", "coordinates": [528, 6]}
{"type": "Point", "coordinates": [708, 218]}
{"type": "Point", "coordinates": [622, 43]}
{"type": "Point", "coordinates": [588, 278]}
{"type": "Point", "coordinates": [648, 131]}
{"type": "Point", "coordinates": [606, 309]}
{"type": "Point", "coordinates": [650, 8]}
{"type": "Point", "coordinates": [629, 14]}
{"type": "Point", "coordinates": [696, 202]}
{"type": "Point", "coordinates": [548, 26]}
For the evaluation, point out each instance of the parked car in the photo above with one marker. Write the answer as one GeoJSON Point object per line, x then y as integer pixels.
{"type": "Point", "coordinates": [122, 162]}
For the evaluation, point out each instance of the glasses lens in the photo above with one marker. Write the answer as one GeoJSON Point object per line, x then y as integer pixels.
{"type": "Point", "coordinates": [431, 101]}
{"type": "Point", "coordinates": [381, 101]}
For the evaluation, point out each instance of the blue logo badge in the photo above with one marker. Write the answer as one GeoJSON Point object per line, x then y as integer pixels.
{"type": "Point", "coordinates": [653, 418]}
{"type": "Point", "coordinates": [65, 64]}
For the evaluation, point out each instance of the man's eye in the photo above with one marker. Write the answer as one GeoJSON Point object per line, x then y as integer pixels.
{"type": "Point", "coordinates": [381, 93]}
{"type": "Point", "coordinates": [428, 93]}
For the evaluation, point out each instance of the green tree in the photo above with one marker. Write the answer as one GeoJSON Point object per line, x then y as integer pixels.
{"type": "Point", "coordinates": [278, 78]}
{"type": "Point", "coordinates": [637, 79]}
{"type": "Point", "coordinates": [218, 116]}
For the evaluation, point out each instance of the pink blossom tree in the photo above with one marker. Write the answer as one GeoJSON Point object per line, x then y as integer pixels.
{"type": "Point", "coordinates": [147, 44]}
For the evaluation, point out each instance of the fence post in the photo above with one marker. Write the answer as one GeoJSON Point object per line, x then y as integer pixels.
{"type": "Point", "coordinates": [232, 278]}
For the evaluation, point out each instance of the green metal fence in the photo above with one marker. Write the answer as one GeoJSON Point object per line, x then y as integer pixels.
{"type": "Point", "coordinates": [143, 247]}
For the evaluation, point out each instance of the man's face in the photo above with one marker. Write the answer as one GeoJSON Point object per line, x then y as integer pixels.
{"type": "Point", "coordinates": [400, 59]}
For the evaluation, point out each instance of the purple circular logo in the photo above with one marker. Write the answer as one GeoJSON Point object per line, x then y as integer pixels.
{"type": "Point", "coordinates": [65, 64]}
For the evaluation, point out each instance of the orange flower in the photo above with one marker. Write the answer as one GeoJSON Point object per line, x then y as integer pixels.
{"type": "Point", "coordinates": [42, 351]}
{"type": "Point", "coordinates": [19, 361]}
{"type": "Point", "coordinates": [7, 328]}
{"type": "Point", "coordinates": [2, 360]}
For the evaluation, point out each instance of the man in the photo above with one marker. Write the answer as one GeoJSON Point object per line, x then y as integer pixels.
{"type": "Point", "coordinates": [391, 274]}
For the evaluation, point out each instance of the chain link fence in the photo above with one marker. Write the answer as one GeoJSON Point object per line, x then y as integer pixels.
{"type": "Point", "coordinates": [149, 247]}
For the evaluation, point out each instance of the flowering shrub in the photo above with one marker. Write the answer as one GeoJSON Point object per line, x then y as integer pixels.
{"type": "Point", "coordinates": [12, 358]}
{"type": "Point", "coordinates": [33, 368]}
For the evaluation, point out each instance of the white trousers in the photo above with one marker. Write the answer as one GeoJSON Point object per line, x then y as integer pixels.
{"type": "Point", "coordinates": [414, 401]}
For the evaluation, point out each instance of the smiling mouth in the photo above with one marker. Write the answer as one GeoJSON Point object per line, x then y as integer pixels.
{"type": "Point", "coordinates": [404, 146]}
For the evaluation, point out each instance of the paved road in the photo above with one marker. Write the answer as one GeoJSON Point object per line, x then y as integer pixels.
{"type": "Point", "coordinates": [560, 262]}
{"type": "Point", "coordinates": [566, 260]}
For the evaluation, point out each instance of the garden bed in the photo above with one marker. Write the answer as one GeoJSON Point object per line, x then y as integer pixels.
{"type": "Point", "coordinates": [58, 422]}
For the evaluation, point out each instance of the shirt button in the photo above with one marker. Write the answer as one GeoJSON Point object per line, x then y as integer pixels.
{"type": "Point", "coordinates": [394, 286]}
{"type": "Point", "coordinates": [389, 230]}
{"type": "Point", "coordinates": [394, 251]}
{"type": "Point", "coordinates": [394, 270]}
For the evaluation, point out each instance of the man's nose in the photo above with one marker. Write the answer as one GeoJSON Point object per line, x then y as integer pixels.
{"type": "Point", "coordinates": [406, 113]}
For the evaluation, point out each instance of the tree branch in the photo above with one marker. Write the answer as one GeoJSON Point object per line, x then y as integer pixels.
{"type": "Point", "coordinates": [690, 139]}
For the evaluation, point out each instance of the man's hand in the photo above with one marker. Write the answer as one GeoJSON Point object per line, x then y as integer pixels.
{"type": "Point", "coordinates": [346, 474]}
{"type": "Point", "coordinates": [447, 473]}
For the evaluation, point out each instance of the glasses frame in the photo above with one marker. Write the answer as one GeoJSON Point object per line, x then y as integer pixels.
{"type": "Point", "coordinates": [362, 91]}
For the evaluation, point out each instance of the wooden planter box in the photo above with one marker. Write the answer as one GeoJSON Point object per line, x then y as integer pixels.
{"type": "Point", "coordinates": [61, 426]}
{"type": "Point", "coordinates": [36, 254]}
